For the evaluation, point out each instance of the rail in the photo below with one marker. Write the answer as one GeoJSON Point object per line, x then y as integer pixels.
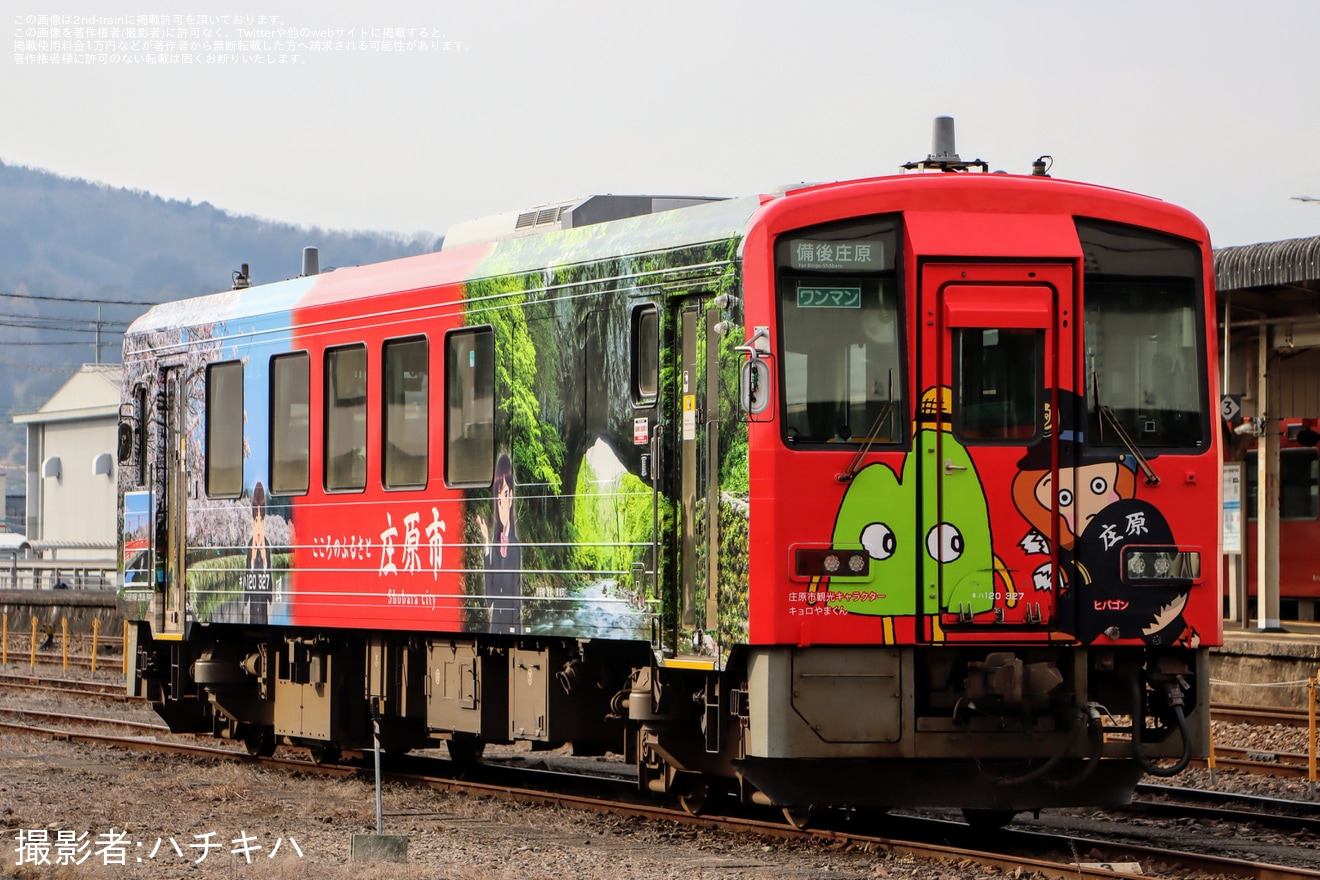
{"type": "Point", "coordinates": [1257, 715]}
{"type": "Point", "coordinates": [929, 841]}
{"type": "Point", "coordinates": [1309, 719]}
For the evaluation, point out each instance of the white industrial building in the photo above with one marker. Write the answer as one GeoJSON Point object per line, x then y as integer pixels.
{"type": "Point", "coordinates": [71, 468]}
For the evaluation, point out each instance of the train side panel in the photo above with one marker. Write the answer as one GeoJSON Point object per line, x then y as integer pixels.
{"type": "Point", "coordinates": [531, 376]}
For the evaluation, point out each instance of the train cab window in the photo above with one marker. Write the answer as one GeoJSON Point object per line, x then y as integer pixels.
{"type": "Point", "coordinates": [346, 419]}
{"type": "Point", "coordinates": [1144, 337]}
{"type": "Point", "coordinates": [224, 430]}
{"type": "Point", "coordinates": [470, 407]}
{"type": "Point", "coordinates": [403, 440]}
{"type": "Point", "coordinates": [840, 319]}
{"type": "Point", "coordinates": [645, 355]}
{"type": "Point", "coordinates": [1299, 484]}
{"type": "Point", "coordinates": [290, 423]}
{"type": "Point", "coordinates": [999, 373]}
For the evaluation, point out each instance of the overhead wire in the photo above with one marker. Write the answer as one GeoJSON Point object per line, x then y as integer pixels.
{"type": "Point", "coordinates": [48, 324]}
{"type": "Point", "coordinates": [76, 299]}
{"type": "Point", "coordinates": [67, 327]}
{"type": "Point", "coordinates": [81, 342]}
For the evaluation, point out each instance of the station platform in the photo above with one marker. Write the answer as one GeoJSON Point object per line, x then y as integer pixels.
{"type": "Point", "coordinates": [1265, 668]}
{"type": "Point", "coordinates": [81, 607]}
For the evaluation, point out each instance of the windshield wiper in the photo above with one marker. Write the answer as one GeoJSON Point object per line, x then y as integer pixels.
{"type": "Point", "coordinates": [885, 413]}
{"type": "Point", "coordinates": [1107, 416]}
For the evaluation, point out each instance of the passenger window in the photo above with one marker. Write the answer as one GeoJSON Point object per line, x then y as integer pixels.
{"type": "Point", "coordinates": [346, 419]}
{"type": "Point", "coordinates": [999, 373]}
{"type": "Point", "coordinates": [290, 424]}
{"type": "Point", "coordinates": [470, 407]}
{"type": "Point", "coordinates": [645, 355]}
{"type": "Point", "coordinates": [224, 430]}
{"type": "Point", "coordinates": [403, 441]}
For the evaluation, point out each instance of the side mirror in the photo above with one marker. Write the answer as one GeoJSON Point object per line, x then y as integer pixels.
{"type": "Point", "coordinates": [754, 389]}
{"type": "Point", "coordinates": [125, 445]}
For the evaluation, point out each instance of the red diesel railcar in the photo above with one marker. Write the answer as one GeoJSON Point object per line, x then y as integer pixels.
{"type": "Point", "coordinates": [877, 492]}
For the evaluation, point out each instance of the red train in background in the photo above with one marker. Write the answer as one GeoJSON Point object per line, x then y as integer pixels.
{"type": "Point", "coordinates": [1299, 519]}
{"type": "Point", "coordinates": [872, 493]}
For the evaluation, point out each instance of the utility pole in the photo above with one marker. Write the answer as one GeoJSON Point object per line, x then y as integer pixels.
{"type": "Point", "coordinates": [98, 334]}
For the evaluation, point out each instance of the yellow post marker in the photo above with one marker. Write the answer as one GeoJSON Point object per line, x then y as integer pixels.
{"type": "Point", "coordinates": [64, 641]}
{"type": "Point", "coordinates": [1310, 747]}
{"type": "Point", "coordinates": [96, 637]}
{"type": "Point", "coordinates": [124, 650]}
{"type": "Point", "coordinates": [32, 661]}
{"type": "Point", "coordinates": [5, 641]}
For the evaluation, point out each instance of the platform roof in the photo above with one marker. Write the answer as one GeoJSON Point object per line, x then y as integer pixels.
{"type": "Point", "coordinates": [1276, 278]}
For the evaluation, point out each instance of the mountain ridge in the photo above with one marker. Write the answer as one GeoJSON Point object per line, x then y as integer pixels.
{"type": "Point", "coordinates": [73, 253]}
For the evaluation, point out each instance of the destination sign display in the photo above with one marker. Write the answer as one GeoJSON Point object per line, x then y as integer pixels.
{"type": "Point", "coordinates": [824, 297]}
{"type": "Point", "coordinates": [858, 255]}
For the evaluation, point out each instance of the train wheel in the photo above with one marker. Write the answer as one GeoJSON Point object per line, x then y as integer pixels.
{"type": "Point", "coordinates": [324, 754]}
{"type": "Point", "coordinates": [260, 742]}
{"type": "Point", "coordinates": [988, 820]}
{"type": "Point", "coordinates": [693, 793]}
{"type": "Point", "coordinates": [800, 816]}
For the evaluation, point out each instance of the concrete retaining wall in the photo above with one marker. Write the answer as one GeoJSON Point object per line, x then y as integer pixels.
{"type": "Point", "coordinates": [81, 607]}
{"type": "Point", "coordinates": [1254, 669]}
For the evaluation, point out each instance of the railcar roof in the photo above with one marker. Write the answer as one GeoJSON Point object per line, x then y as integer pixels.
{"type": "Point", "coordinates": [635, 236]}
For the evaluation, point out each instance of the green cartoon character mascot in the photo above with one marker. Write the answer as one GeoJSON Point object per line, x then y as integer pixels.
{"type": "Point", "coordinates": [950, 558]}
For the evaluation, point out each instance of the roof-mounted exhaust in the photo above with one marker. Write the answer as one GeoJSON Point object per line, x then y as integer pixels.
{"type": "Point", "coordinates": [942, 142]}
{"type": "Point", "coordinates": [311, 262]}
{"type": "Point", "coordinates": [943, 156]}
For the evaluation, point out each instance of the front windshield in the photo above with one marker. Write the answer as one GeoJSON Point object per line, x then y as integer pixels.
{"type": "Point", "coordinates": [1144, 337]}
{"type": "Point", "coordinates": [841, 334]}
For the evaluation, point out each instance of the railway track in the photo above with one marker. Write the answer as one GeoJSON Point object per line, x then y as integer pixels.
{"type": "Point", "coordinates": [1290, 765]}
{"type": "Point", "coordinates": [18, 716]}
{"type": "Point", "coordinates": [1181, 804]}
{"type": "Point", "coordinates": [1048, 853]}
{"type": "Point", "coordinates": [1265, 715]}
{"type": "Point", "coordinates": [108, 690]}
{"type": "Point", "coordinates": [45, 659]}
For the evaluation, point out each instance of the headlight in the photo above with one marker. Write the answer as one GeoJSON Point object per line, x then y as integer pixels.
{"type": "Point", "coordinates": [831, 562]}
{"type": "Point", "coordinates": [1161, 565]}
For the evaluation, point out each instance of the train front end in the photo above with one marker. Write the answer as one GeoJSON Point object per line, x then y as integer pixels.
{"type": "Point", "coordinates": [985, 493]}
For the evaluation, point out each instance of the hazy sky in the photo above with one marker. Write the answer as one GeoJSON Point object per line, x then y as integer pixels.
{"type": "Point", "coordinates": [1212, 104]}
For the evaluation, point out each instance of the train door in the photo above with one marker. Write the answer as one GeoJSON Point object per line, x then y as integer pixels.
{"type": "Point", "coordinates": [171, 482]}
{"type": "Point", "coordinates": [695, 417]}
{"type": "Point", "coordinates": [991, 340]}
